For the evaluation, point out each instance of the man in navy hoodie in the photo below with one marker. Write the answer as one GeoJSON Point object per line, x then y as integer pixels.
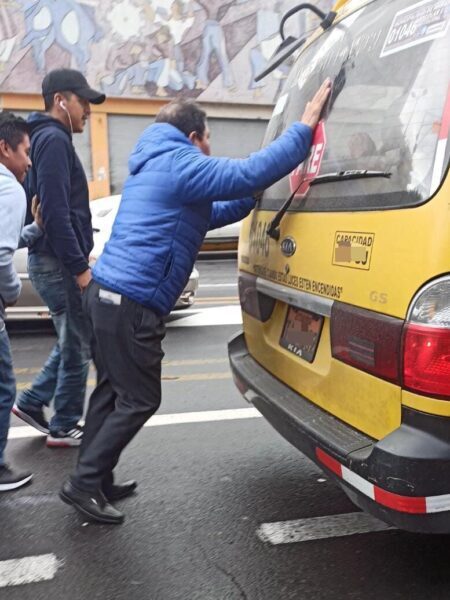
{"type": "Point", "coordinates": [58, 262]}
{"type": "Point", "coordinates": [174, 193]}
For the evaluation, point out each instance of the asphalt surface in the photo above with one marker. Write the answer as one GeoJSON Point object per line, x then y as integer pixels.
{"type": "Point", "coordinates": [205, 490]}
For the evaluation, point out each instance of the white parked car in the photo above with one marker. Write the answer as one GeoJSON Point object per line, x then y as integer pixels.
{"type": "Point", "coordinates": [104, 210]}
{"type": "Point", "coordinates": [222, 240]}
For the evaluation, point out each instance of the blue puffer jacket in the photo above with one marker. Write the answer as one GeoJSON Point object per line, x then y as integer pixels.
{"type": "Point", "coordinates": [173, 195]}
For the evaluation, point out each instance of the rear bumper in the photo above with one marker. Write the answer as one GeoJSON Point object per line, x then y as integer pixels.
{"type": "Point", "coordinates": [403, 479]}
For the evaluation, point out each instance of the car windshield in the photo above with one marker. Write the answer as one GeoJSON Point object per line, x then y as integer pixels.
{"type": "Point", "coordinates": [389, 110]}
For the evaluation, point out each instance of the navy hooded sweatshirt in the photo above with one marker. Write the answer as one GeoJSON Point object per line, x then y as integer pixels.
{"type": "Point", "coordinates": [58, 179]}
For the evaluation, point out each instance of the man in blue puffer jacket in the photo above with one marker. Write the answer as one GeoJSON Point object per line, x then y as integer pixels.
{"type": "Point", "coordinates": [175, 192]}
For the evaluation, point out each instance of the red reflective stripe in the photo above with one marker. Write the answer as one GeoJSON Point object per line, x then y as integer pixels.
{"type": "Point", "coordinates": [329, 462]}
{"type": "Point", "coordinates": [405, 504]}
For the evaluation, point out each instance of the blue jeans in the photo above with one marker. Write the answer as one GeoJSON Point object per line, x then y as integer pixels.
{"type": "Point", "coordinates": [213, 40]}
{"type": "Point", "coordinates": [7, 388]}
{"type": "Point", "coordinates": [64, 375]}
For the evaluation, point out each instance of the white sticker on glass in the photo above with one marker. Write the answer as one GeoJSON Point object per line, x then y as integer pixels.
{"type": "Point", "coordinates": [427, 20]}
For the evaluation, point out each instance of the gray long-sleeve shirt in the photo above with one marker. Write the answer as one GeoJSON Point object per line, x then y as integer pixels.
{"type": "Point", "coordinates": [13, 235]}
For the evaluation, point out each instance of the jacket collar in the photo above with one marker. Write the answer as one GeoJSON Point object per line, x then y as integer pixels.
{"type": "Point", "coordinates": [6, 172]}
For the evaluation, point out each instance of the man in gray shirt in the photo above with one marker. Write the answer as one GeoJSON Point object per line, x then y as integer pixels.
{"type": "Point", "coordinates": [14, 164]}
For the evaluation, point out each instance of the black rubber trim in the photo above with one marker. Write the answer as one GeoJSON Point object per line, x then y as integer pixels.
{"type": "Point", "coordinates": [293, 415]}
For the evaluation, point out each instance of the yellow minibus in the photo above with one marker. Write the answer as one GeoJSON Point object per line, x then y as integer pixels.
{"type": "Point", "coordinates": [344, 266]}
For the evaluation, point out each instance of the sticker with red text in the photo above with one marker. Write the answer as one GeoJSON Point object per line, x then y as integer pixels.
{"type": "Point", "coordinates": [307, 171]}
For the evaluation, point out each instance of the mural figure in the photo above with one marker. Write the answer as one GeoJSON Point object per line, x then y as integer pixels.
{"type": "Point", "coordinates": [153, 63]}
{"type": "Point", "coordinates": [124, 73]}
{"type": "Point", "coordinates": [168, 76]}
{"type": "Point", "coordinates": [145, 48]}
{"type": "Point", "coordinates": [179, 21]}
{"type": "Point", "coordinates": [268, 39]}
{"type": "Point", "coordinates": [66, 23]}
{"type": "Point", "coordinates": [213, 40]}
{"type": "Point", "coordinates": [7, 36]}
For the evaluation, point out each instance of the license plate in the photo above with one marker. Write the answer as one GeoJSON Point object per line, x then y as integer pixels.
{"type": "Point", "coordinates": [301, 333]}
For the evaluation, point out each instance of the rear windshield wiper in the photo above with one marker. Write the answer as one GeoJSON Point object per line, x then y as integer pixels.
{"type": "Point", "coordinates": [273, 230]}
{"type": "Point", "coordinates": [348, 175]}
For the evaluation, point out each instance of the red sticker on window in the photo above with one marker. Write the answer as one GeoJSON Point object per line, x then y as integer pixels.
{"type": "Point", "coordinates": [301, 178]}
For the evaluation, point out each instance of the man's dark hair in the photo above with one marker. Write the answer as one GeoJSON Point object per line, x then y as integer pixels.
{"type": "Point", "coordinates": [12, 129]}
{"type": "Point", "coordinates": [185, 115]}
{"type": "Point", "coordinates": [49, 100]}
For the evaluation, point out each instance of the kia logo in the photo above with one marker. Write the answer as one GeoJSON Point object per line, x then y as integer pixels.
{"type": "Point", "coordinates": [288, 246]}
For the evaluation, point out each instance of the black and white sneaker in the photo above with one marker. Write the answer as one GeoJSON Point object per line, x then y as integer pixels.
{"type": "Point", "coordinates": [33, 417]}
{"type": "Point", "coordinates": [65, 439]}
{"type": "Point", "coordinates": [12, 480]}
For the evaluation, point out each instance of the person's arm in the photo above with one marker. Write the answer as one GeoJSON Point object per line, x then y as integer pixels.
{"type": "Point", "coordinates": [226, 212]}
{"type": "Point", "coordinates": [52, 161]}
{"type": "Point", "coordinates": [12, 220]}
{"type": "Point", "coordinates": [32, 232]}
{"type": "Point", "coordinates": [29, 234]}
{"type": "Point", "coordinates": [204, 178]}
{"type": "Point", "coordinates": [10, 284]}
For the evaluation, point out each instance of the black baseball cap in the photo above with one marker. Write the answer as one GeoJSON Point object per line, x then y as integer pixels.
{"type": "Point", "coordinates": [69, 80]}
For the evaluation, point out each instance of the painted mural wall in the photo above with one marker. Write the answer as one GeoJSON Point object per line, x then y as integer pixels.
{"type": "Point", "coordinates": [206, 49]}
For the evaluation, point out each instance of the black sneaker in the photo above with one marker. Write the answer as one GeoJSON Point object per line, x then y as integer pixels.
{"type": "Point", "coordinates": [33, 417]}
{"type": "Point", "coordinates": [65, 439]}
{"type": "Point", "coordinates": [12, 480]}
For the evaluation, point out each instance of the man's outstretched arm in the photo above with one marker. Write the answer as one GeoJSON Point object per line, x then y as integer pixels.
{"type": "Point", "coordinates": [205, 178]}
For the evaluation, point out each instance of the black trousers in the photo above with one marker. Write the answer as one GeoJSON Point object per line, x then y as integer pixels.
{"type": "Point", "coordinates": [126, 348]}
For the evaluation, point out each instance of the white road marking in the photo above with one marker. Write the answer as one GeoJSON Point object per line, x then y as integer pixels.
{"type": "Point", "coordinates": [205, 416]}
{"type": "Point", "coordinates": [30, 569]}
{"type": "Point", "coordinates": [319, 528]}
{"type": "Point", "coordinates": [15, 501]}
{"type": "Point", "coordinates": [220, 315]}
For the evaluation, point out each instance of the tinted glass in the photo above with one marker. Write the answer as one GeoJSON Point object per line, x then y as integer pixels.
{"type": "Point", "coordinates": [389, 110]}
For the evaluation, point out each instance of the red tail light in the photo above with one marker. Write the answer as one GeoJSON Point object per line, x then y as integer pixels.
{"type": "Point", "coordinates": [426, 341]}
{"type": "Point", "coordinates": [366, 340]}
{"type": "Point", "coordinates": [426, 360]}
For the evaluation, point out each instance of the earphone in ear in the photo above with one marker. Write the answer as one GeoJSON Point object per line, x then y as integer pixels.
{"type": "Point", "coordinates": [64, 107]}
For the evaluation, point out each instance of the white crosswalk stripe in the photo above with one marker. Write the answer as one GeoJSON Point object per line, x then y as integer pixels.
{"type": "Point", "coordinates": [204, 416]}
{"type": "Point", "coordinates": [319, 528]}
{"type": "Point", "coordinates": [30, 569]}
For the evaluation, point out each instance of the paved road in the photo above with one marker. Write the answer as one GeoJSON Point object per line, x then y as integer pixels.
{"type": "Point", "coordinates": [218, 490]}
